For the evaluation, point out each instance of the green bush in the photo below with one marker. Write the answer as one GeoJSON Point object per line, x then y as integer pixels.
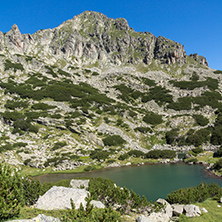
{"type": "Point", "coordinates": [218, 164]}
{"type": "Point", "coordinates": [15, 66]}
{"type": "Point", "coordinates": [42, 106]}
{"type": "Point", "coordinates": [153, 119]}
{"type": "Point", "coordinates": [58, 145]}
{"type": "Point", "coordinates": [136, 153]}
{"type": "Point", "coordinates": [163, 154]}
{"type": "Point", "coordinates": [114, 140]}
{"type": "Point", "coordinates": [11, 193]}
{"type": "Point", "coordinates": [124, 156]}
{"type": "Point", "coordinates": [193, 194]}
{"type": "Point", "coordinates": [201, 120]}
{"type": "Point", "coordinates": [143, 129]}
{"type": "Point", "coordinates": [32, 189]}
{"type": "Point", "coordinates": [99, 155]}
{"type": "Point", "coordinates": [171, 136]}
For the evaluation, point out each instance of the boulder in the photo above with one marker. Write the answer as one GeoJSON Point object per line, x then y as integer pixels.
{"type": "Point", "coordinates": [58, 198]}
{"type": "Point", "coordinates": [158, 217]}
{"type": "Point", "coordinates": [39, 218]}
{"type": "Point", "coordinates": [192, 210]}
{"type": "Point", "coordinates": [79, 184]}
{"type": "Point", "coordinates": [167, 207]}
{"type": "Point", "coordinates": [97, 204]}
{"type": "Point", "coordinates": [177, 209]}
{"type": "Point", "coordinates": [221, 200]}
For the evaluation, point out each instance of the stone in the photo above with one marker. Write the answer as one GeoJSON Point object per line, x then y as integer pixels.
{"type": "Point", "coordinates": [39, 218]}
{"type": "Point", "coordinates": [192, 210]}
{"type": "Point", "coordinates": [97, 204]}
{"type": "Point", "coordinates": [58, 198]}
{"type": "Point", "coordinates": [204, 210]}
{"type": "Point", "coordinates": [167, 207]}
{"type": "Point", "coordinates": [80, 184]}
{"type": "Point", "coordinates": [221, 200]}
{"type": "Point", "coordinates": [142, 218]}
{"type": "Point", "coordinates": [177, 209]}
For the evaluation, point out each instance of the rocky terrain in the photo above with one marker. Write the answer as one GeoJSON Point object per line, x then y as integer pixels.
{"type": "Point", "coordinates": [92, 89]}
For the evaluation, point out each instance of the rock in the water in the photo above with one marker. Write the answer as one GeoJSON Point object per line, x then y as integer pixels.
{"type": "Point", "coordinates": [192, 210]}
{"type": "Point", "coordinates": [80, 184]}
{"type": "Point", "coordinates": [39, 218]}
{"type": "Point", "coordinates": [97, 204]}
{"type": "Point", "coordinates": [59, 198]}
{"type": "Point", "coordinates": [177, 209]}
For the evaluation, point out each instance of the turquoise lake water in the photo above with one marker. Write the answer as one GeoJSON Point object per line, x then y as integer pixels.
{"type": "Point", "coordinates": [153, 181]}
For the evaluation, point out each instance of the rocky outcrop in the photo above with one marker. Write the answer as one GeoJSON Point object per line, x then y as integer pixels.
{"type": "Point", "coordinates": [91, 37]}
{"type": "Point", "coordinates": [59, 198]}
{"type": "Point", "coordinates": [200, 59]}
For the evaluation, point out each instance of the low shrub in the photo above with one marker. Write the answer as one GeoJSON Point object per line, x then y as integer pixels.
{"type": "Point", "coordinates": [163, 154]}
{"type": "Point", "coordinates": [124, 156]}
{"type": "Point", "coordinates": [114, 140]}
{"type": "Point", "coordinates": [153, 119]}
{"type": "Point", "coordinates": [11, 193]}
{"type": "Point", "coordinates": [193, 194]}
{"type": "Point", "coordinates": [201, 120]}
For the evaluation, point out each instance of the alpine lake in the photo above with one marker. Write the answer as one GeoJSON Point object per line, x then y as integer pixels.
{"type": "Point", "coordinates": [152, 180]}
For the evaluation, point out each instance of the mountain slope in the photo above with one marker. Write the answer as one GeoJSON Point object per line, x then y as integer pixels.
{"type": "Point", "coordinates": [94, 89]}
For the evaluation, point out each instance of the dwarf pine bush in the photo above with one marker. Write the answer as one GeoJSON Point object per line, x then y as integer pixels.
{"type": "Point", "coordinates": [11, 195]}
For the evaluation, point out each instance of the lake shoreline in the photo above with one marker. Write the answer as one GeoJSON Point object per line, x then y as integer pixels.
{"type": "Point", "coordinates": [178, 161]}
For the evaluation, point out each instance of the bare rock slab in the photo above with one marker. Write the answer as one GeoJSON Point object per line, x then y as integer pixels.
{"type": "Point", "coordinates": [192, 210]}
{"type": "Point", "coordinates": [58, 198]}
{"type": "Point", "coordinates": [97, 204]}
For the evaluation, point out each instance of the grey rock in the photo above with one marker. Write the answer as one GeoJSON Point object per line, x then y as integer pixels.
{"type": "Point", "coordinates": [144, 219]}
{"type": "Point", "coordinates": [97, 204]}
{"type": "Point", "coordinates": [177, 209]}
{"type": "Point", "coordinates": [59, 198]}
{"type": "Point", "coordinates": [167, 207]}
{"type": "Point", "coordinates": [80, 184]}
{"type": "Point", "coordinates": [204, 210]}
{"type": "Point", "coordinates": [221, 200]}
{"type": "Point", "coordinates": [39, 218]}
{"type": "Point", "coordinates": [192, 210]}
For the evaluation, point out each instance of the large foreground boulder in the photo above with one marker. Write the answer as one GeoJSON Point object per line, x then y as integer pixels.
{"type": "Point", "coordinates": [59, 198]}
{"type": "Point", "coordinates": [39, 218]}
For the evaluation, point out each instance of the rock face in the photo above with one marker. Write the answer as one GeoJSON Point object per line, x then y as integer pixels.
{"type": "Point", "coordinates": [39, 218]}
{"type": "Point", "coordinates": [92, 37]}
{"type": "Point", "coordinates": [59, 198]}
{"type": "Point", "coordinates": [79, 184]}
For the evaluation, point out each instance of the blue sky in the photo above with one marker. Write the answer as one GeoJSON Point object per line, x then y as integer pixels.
{"type": "Point", "coordinates": [196, 24]}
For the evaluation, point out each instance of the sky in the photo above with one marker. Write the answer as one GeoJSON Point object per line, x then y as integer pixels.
{"type": "Point", "coordinates": [196, 24]}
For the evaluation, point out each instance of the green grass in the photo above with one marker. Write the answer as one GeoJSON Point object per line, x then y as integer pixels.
{"type": "Point", "coordinates": [214, 213]}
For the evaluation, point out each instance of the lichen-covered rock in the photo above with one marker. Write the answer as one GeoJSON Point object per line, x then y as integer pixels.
{"type": "Point", "coordinates": [59, 198]}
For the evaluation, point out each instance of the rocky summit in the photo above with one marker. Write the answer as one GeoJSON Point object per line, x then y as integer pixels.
{"type": "Point", "coordinates": [92, 89]}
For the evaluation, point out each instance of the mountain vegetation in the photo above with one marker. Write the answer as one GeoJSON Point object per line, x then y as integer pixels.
{"type": "Point", "coordinates": [93, 93]}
